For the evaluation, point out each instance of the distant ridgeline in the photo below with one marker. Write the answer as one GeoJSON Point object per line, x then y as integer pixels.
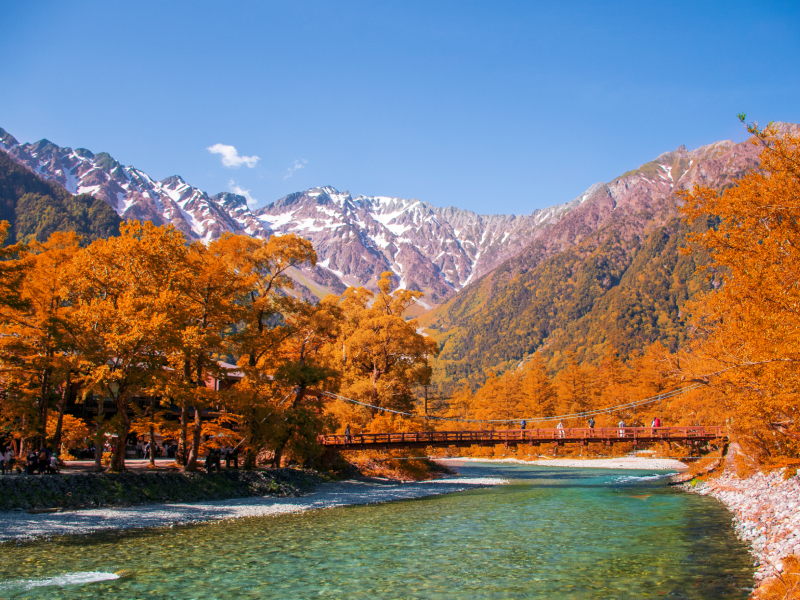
{"type": "Point", "coordinates": [608, 274]}
{"type": "Point", "coordinates": [602, 271]}
{"type": "Point", "coordinates": [35, 208]}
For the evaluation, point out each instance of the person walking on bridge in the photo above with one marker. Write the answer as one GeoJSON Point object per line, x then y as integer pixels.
{"type": "Point", "coordinates": [347, 434]}
{"type": "Point", "coordinates": [655, 425]}
{"type": "Point", "coordinates": [560, 428]}
{"type": "Point", "coordinates": [621, 428]}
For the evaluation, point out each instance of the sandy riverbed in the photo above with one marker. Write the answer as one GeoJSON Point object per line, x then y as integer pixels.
{"type": "Point", "coordinates": [18, 525]}
{"type": "Point", "coordinates": [638, 462]}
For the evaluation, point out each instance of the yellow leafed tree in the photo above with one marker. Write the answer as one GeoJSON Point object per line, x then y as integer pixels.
{"type": "Point", "coordinates": [35, 343]}
{"type": "Point", "coordinates": [382, 355]}
{"type": "Point", "coordinates": [746, 333]}
{"type": "Point", "coordinates": [124, 292]}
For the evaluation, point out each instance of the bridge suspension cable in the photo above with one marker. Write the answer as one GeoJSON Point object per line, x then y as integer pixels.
{"type": "Point", "coordinates": [588, 413]}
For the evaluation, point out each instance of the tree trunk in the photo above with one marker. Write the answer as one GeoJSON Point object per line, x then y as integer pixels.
{"type": "Point", "coordinates": [152, 432]}
{"type": "Point", "coordinates": [281, 445]}
{"type": "Point", "coordinates": [194, 453]}
{"type": "Point", "coordinates": [276, 459]}
{"type": "Point", "coordinates": [43, 406]}
{"type": "Point", "coordinates": [62, 405]}
{"type": "Point", "coordinates": [182, 454]}
{"type": "Point", "coordinates": [118, 457]}
{"type": "Point", "coordinates": [249, 459]}
{"type": "Point", "coordinates": [191, 463]}
{"type": "Point", "coordinates": [374, 393]}
{"type": "Point", "coordinates": [99, 438]}
{"type": "Point", "coordinates": [252, 449]}
{"type": "Point", "coordinates": [22, 436]}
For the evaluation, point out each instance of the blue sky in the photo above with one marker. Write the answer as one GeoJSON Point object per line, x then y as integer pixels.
{"type": "Point", "coordinates": [497, 107]}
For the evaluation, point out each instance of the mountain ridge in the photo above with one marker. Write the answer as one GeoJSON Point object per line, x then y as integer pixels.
{"type": "Point", "coordinates": [434, 250]}
{"type": "Point", "coordinates": [566, 292]}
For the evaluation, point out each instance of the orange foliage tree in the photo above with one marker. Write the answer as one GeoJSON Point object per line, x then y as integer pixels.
{"type": "Point", "coordinates": [35, 345]}
{"type": "Point", "coordinates": [124, 292]}
{"type": "Point", "coordinates": [746, 334]}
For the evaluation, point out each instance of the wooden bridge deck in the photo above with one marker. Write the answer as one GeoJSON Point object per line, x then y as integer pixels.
{"type": "Point", "coordinates": [513, 437]}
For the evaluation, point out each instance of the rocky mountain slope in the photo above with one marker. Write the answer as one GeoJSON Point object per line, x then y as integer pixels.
{"type": "Point", "coordinates": [608, 272]}
{"type": "Point", "coordinates": [36, 208]}
{"type": "Point", "coordinates": [435, 250]}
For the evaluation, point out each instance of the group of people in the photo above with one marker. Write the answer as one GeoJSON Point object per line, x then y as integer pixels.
{"type": "Point", "coordinates": [7, 460]}
{"type": "Point", "coordinates": [215, 457]}
{"type": "Point", "coordinates": [560, 427]}
{"type": "Point", "coordinates": [167, 449]}
{"type": "Point", "coordinates": [36, 461]}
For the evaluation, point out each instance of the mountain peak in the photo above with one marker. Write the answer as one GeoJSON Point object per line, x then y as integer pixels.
{"type": "Point", "coordinates": [7, 140]}
{"type": "Point", "coordinates": [173, 181]}
{"type": "Point", "coordinates": [230, 200]}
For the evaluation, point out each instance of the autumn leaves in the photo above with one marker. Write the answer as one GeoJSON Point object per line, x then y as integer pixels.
{"type": "Point", "coordinates": [746, 334]}
{"type": "Point", "coordinates": [142, 321]}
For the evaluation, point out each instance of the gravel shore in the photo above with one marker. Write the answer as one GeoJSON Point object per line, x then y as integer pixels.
{"type": "Point", "coordinates": [657, 464]}
{"type": "Point", "coordinates": [19, 525]}
{"type": "Point", "coordinates": [766, 512]}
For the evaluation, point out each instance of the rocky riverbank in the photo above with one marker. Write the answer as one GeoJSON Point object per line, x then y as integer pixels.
{"type": "Point", "coordinates": [766, 512]}
{"type": "Point", "coordinates": [90, 490]}
{"type": "Point", "coordinates": [20, 525]}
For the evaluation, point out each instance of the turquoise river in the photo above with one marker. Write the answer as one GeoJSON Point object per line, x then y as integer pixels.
{"type": "Point", "coordinates": [551, 533]}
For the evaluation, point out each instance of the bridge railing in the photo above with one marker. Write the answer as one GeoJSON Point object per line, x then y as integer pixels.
{"type": "Point", "coordinates": [501, 436]}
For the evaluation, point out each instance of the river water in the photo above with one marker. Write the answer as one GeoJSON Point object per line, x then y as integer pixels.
{"type": "Point", "coordinates": [551, 533]}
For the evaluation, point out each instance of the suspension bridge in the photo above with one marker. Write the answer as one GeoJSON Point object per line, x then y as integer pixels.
{"type": "Point", "coordinates": [692, 435]}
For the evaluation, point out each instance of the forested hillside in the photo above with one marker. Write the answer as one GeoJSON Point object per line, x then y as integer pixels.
{"type": "Point", "coordinates": [578, 289]}
{"type": "Point", "coordinates": [35, 208]}
{"type": "Point", "coordinates": [725, 339]}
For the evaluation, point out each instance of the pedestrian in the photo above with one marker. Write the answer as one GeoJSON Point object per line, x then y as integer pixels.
{"type": "Point", "coordinates": [212, 460]}
{"type": "Point", "coordinates": [522, 424]}
{"type": "Point", "coordinates": [347, 434]}
{"type": "Point", "coordinates": [591, 422]}
{"type": "Point", "coordinates": [139, 449]}
{"type": "Point", "coordinates": [621, 428]}
{"type": "Point", "coordinates": [53, 463]}
{"type": "Point", "coordinates": [43, 460]}
{"type": "Point", "coordinates": [31, 463]}
{"type": "Point", "coordinates": [560, 428]}
{"type": "Point", "coordinates": [3, 461]}
{"type": "Point", "coordinates": [657, 422]}
{"type": "Point", "coordinates": [9, 457]}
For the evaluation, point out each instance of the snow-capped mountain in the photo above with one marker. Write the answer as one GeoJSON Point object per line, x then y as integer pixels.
{"type": "Point", "coordinates": [435, 250]}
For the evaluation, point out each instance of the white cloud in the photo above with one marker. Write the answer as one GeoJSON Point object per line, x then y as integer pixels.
{"type": "Point", "coordinates": [231, 158]}
{"type": "Point", "coordinates": [242, 192]}
{"type": "Point", "coordinates": [296, 166]}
